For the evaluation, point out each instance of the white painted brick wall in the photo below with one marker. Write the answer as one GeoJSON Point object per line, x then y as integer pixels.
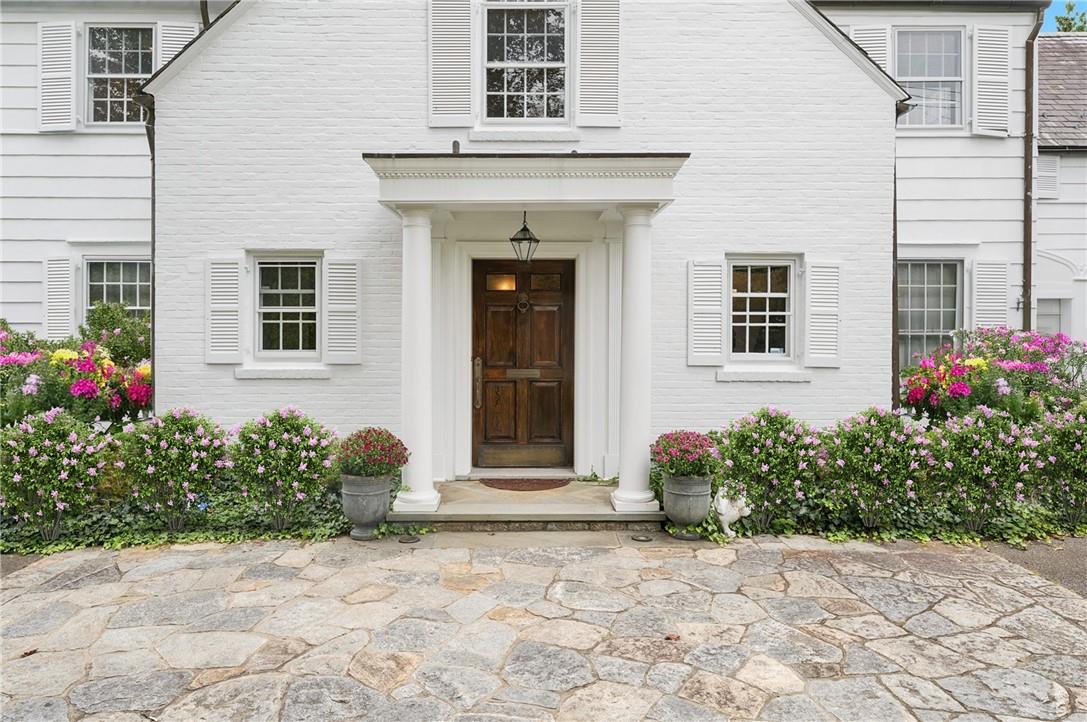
{"type": "Point", "coordinates": [259, 143]}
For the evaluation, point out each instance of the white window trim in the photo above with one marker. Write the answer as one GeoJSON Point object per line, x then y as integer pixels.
{"type": "Point", "coordinates": [260, 355]}
{"type": "Point", "coordinates": [84, 280]}
{"type": "Point", "coordinates": [773, 363]}
{"type": "Point", "coordinates": [499, 128]}
{"type": "Point", "coordinates": [83, 67]}
{"type": "Point", "coordinates": [965, 78]}
{"type": "Point", "coordinates": [961, 300]}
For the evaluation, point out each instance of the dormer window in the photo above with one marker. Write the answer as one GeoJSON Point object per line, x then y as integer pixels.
{"type": "Point", "coordinates": [526, 56]}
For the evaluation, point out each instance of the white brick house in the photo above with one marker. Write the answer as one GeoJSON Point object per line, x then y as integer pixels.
{"type": "Point", "coordinates": [313, 170]}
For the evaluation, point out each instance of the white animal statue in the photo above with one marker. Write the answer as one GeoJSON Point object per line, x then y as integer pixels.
{"type": "Point", "coordinates": [729, 511]}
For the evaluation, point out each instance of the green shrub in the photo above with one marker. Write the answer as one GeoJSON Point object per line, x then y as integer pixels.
{"type": "Point", "coordinates": [51, 464]}
{"type": "Point", "coordinates": [871, 469]}
{"type": "Point", "coordinates": [1063, 449]}
{"type": "Point", "coordinates": [280, 460]}
{"type": "Point", "coordinates": [769, 459]}
{"type": "Point", "coordinates": [171, 460]}
{"type": "Point", "coordinates": [127, 337]}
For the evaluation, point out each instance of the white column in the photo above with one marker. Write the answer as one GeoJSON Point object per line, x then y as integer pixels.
{"type": "Point", "coordinates": [633, 493]}
{"type": "Point", "coordinates": [416, 365]}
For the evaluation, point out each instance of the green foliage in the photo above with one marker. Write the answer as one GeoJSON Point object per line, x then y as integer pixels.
{"type": "Point", "coordinates": [126, 336]}
{"type": "Point", "coordinates": [281, 459]}
{"type": "Point", "coordinates": [371, 452]}
{"type": "Point", "coordinates": [1064, 476]}
{"type": "Point", "coordinates": [51, 465]}
{"type": "Point", "coordinates": [171, 460]}
{"type": "Point", "coordinates": [769, 458]}
{"type": "Point", "coordinates": [1071, 21]}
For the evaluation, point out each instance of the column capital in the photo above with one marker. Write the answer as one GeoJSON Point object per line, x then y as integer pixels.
{"type": "Point", "coordinates": [637, 214]}
{"type": "Point", "coordinates": [415, 215]}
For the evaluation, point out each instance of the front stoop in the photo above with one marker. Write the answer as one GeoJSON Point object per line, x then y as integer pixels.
{"type": "Point", "coordinates": [467, 505]}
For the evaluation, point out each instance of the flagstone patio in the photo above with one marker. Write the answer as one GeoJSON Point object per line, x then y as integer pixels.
{"type": "Point", "coordinates": [539, 626]}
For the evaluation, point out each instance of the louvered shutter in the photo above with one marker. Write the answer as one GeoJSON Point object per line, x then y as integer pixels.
{"type": "Point", "coordinates": [343, 311]}
{"type": "Point", "coordinates": [56, 76]}
{"type": "Point", "coordinates": [705, 313]}
{"type": "Point", "coordinates": [449, 25]}
{"type": "Point", "coordinates": [59, 301]}
{"type": "Point", "coordinates": [598, 63]}
{"type": "Point", "coordinates": [223, 312]}
{"type": "Point", "coordinates": [991, 71]}
{"type": "Point", "coordinates": [1047, 174]}
{"type": "Point", "coordinates": [990, 294]}
{"type": "Point", "coordinates": [173, 37]}
{"type": "Point", "coordinates": [875, 40]}
{"type": "Point", "coordinates": [824, 314]}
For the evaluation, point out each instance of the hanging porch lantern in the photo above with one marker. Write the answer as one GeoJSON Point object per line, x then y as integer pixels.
{"type": "Point", "coordinates": [524, 241]}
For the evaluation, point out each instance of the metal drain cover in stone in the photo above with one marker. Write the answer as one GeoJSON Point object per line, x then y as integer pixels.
{"type": "Point", "coordinates": [525, 484]}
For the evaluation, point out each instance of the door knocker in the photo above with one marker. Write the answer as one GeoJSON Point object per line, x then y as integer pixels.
{"type": "Point", "coordinates": [522, 302]}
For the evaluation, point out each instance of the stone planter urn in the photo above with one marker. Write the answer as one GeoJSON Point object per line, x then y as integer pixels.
{"type": "Point", "coordinates": [686, 502]}
{"type": "Point", "coordinates": [365, 502]}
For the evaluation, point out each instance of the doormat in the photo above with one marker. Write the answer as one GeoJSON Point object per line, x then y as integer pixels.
{"type": "Point", "coordinates": [525, 484]}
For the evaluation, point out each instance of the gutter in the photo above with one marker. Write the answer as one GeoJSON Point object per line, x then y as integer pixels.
{"type": "Point", "coordinates": [147, 102]}
{"type": "Point", "coordinates": [1028, 170]}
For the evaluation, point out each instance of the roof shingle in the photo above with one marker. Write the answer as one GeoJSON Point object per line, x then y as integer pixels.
{"type": "Point", "coordinates": [1062, 90]}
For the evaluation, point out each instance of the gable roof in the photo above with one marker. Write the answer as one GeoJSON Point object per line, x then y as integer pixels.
{"type": "Point", "coordinates": [1062, 90]}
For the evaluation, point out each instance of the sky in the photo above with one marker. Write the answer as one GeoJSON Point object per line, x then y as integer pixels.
{"type": "Point", "coordinates": [1057, 8]}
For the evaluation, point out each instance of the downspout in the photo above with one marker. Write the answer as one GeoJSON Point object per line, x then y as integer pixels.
{"type": "Point", "coordinates": [1028, 172]}
{"type": "Point", "coordinates": [901, 108]}
{"type": "Point", "coordinates": [147, 102]}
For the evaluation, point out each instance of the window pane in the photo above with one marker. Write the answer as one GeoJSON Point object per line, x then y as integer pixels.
{"type": "Point", "coordinates": [269, 277]}
{"type": "Point", "coordinates": [556, 80]}
{"type": "Point", "coordinates": [309, 337]}
{"type": "Point", "coordinates": [556, 106]}
{"type": "Point", "coordinates": [308, 276]}
{"type": "Point", "coordinates": [128, 295]}
{"type": "Point", "coordinates": [739, 339]}
{"type": "Point", "coordinates": [777, 339]}
{"type": "Point", "coordinates": [129, 272]}
{"type": "Point", "coordinates": [113, 293]}
{"type": "Point", "coordinates": [291, 337]}
{"type": "Point", "coordinates": [779, 279]}
{"type": "Point", "coordinates": [757, 339]}
{"type": "Point", "coordinates": [739, 279]}
{"type": "Point", "coordinates": [501, 282]}
{"type": "Point", "coordinates": [145, 271]}
{"type": "Point", "coordinates": [496, 21]}
{"type": "Point", "coordinates": [759, 278]}
{"type": "Point", "coordinates": [515, 106]}
{"type": "Point", "coordinates": [495, 81]}
{"type": "Point", "coordinates": [96, 272]}
{"type": "Point", "coordinates": [113, 271]}
{"type": "Point", "coordinates": [534, 106]}
{"type": "Point", "coordinates": [270, 336]}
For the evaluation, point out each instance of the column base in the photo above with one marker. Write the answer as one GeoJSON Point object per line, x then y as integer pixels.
{"type": "Point", "coordinates": [639, 501]}
{"type": "Point", "coordinates": [416, 502]}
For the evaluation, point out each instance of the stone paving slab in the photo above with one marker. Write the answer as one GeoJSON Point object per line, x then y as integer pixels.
{"type": "Point", "coordinates": [584, 626]}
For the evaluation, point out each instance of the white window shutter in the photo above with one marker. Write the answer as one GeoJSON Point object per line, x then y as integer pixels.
{"type": "Point", "coordinates": [223, 312]}
{"type": "Point", "coordinates": [1048, 174]}
{"type": "Point", "coordinates": [59, 298]}
{"type": "Point", "coordinates": [875, 40]}
{"type": "Point", "coordinates": [56, 76]}
{"type": "Point", "coordinates": [598, 63]}
{"type": "Point", "coordinates": [705, 313]}
{"type": "Point", "coordinates": [990, 294]}
{"type": "Point", "coordinates": [991, 80]}
{"type": "Point", "coordinates": [343, 311]}
{"type": "Point", "coordinates": [449, 28]}
{"type": "Point", "coordinates": [824, 314]}
{"type": "Point", "coordinates": [173, 37]}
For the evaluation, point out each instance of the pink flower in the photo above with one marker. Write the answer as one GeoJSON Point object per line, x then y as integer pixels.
{"type": "Point", "coordinates": [84, 388]}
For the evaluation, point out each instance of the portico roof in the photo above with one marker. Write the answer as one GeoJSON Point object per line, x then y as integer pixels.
{"type": "Point", "coordinates": [535, 180]}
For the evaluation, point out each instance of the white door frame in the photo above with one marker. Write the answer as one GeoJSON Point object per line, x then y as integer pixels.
{"type": "Point", "coordinates": [590, 349]}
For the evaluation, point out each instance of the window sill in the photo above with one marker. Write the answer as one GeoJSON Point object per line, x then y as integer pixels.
{"type": "Point", "coordinates": [552, 135]}
{"type": "Point", "coordinates": [791, 376]}
{"type": "Point", "coordinates": [283, 372]}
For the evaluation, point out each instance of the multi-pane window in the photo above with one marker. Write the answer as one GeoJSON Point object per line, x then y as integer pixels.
{"type": "Point", "coordinates": [526, 60]}
{"type": "Point", "coordinates": [287, 305]}
{"type": "Point", "coordinates": [762, 308]}
{"type": "Point", "coordinates": [929, 307]}
{"type": "Point", "coordinates": [119, 60]}
{"type": "Point", "coordinates": [1049, 315]}
{"type": "Point", "coordinates": [928, 64]}
{"type": "Point", "coordinates": [127, 282]}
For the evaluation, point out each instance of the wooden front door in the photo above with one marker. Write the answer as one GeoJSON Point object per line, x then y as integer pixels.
{"type": "Point", "coordinates": [523, 363]}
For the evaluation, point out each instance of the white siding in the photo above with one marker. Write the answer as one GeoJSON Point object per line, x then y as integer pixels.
{"type": "Point", "coordinates": [1061, 232]}
{"type": "Point", "coordinates": [774, 161]}
{"type": "Point", "coordinates": [81, 193]}
{"type": "Point", "coordinates": [960, 195]}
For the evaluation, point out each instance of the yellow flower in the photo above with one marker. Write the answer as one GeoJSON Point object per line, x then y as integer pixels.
{"type": "Point", "coordinates": [63, 354]}
{"type": "Point", "coordinates": [143, 371]}
{"type": "Point", "coordinates": [976, 363]}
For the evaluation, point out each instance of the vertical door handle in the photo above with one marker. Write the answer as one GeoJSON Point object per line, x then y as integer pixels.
{"type": "Point", "coordinates": [477, 381]}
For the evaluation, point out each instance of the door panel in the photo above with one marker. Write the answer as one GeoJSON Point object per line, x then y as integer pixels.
{"type": "Point", "coordinates": [523, 337]}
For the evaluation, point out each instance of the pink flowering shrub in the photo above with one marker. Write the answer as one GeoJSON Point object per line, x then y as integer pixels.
{"type": "Point", "coordinates": [1063, 446]}
{"type": "Point", "coordinates": [1021, 372]}
{"type": "Point", "coordinates": [769, 458]}
{"type": "Point", "coordinates": [281, 459]}
{"type": "Point", "coordinates": [171, 461]}
{"type": "Point", "coordinates": [685, 453]}
{"type": "Point", "coordinates": [872, 469]}
{"type": "Point", "coordinates": [981, 465]}
{"type": "Point", "coordinates": [51, 463]}
{"type": "Point", "coordinates": [371, 452]}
